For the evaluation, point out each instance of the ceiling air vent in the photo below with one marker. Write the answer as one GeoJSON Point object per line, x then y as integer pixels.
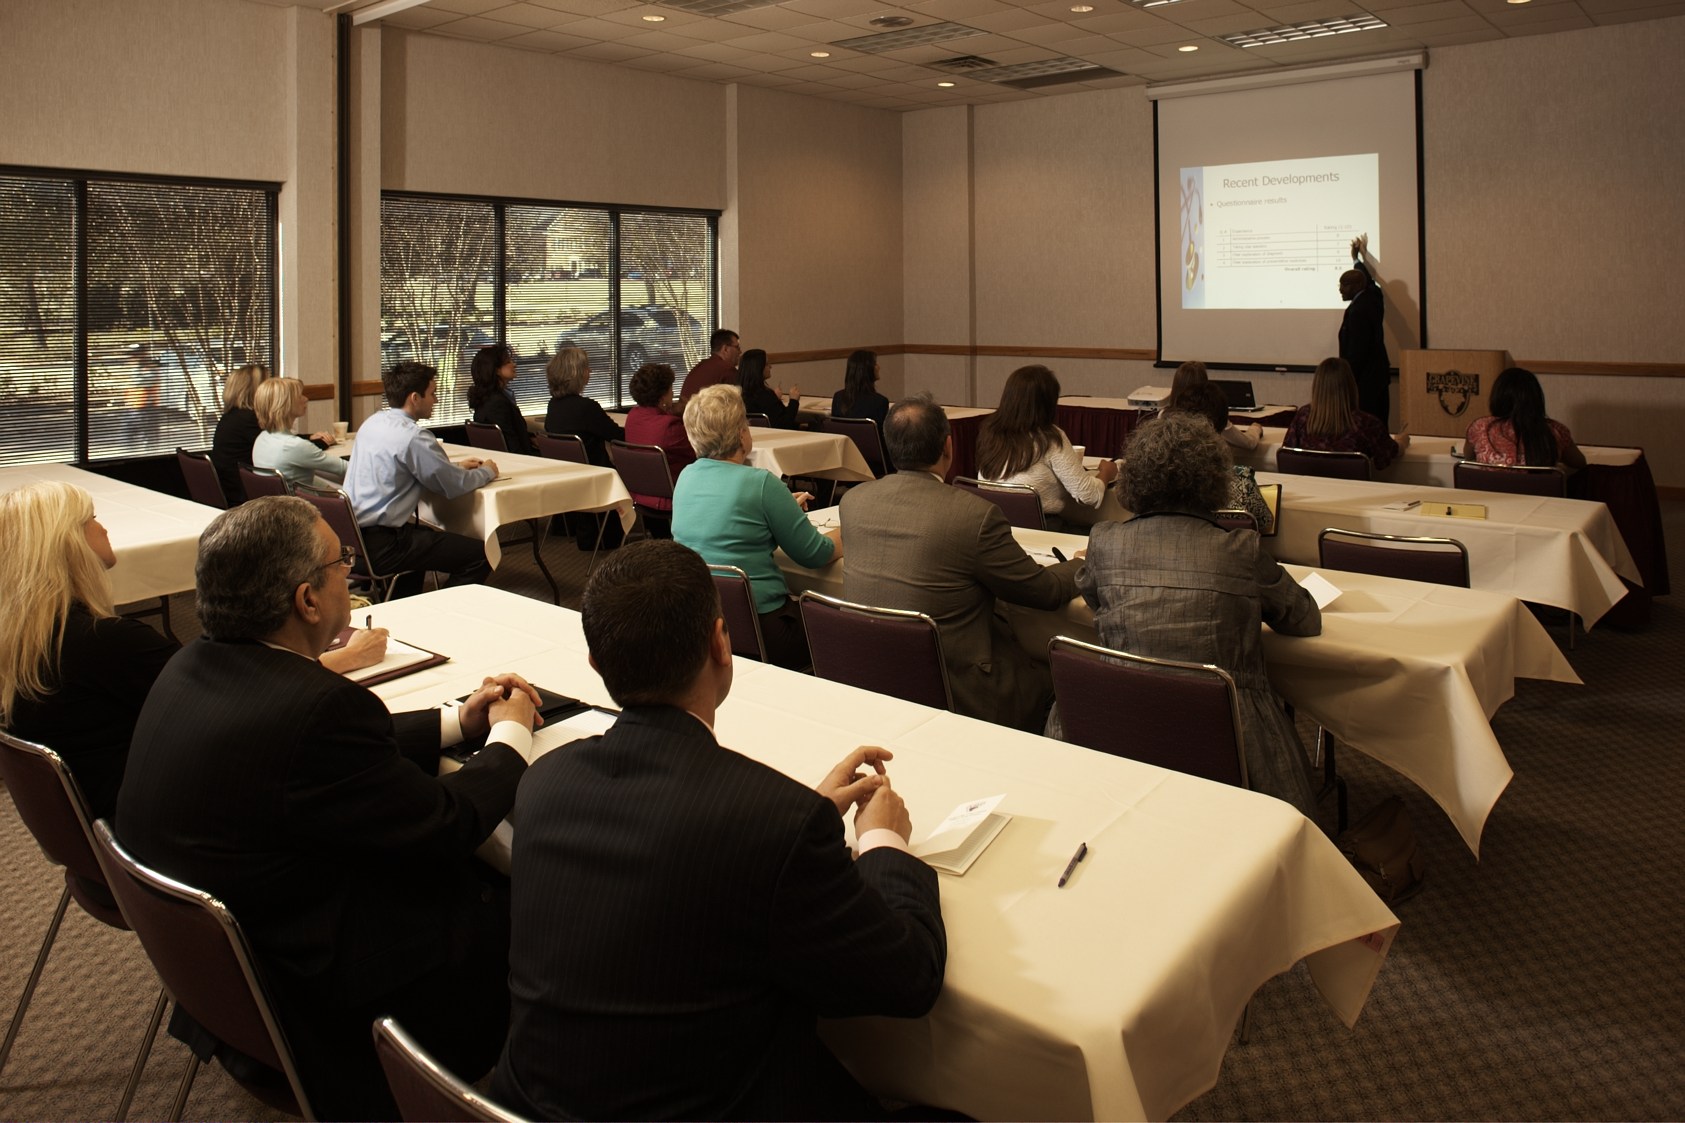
{"type": "Point", "coordinates": [1299, 32]}
{"type": "Point", "coordinates": [716, 7]}
{"type": "Point", "coordinates": [907, 37]}
{"type": "Point", "coordinates": [1046, 72]}
{"type": "Point", "coordinates": [964, 63]}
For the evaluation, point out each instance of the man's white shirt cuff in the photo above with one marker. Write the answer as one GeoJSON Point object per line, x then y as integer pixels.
{"type": "Point", "coordinates": [881, 836]}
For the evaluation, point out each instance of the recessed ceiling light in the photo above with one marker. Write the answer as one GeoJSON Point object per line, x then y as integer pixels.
{"type": "Point", "coordinates": [819, 54]}
{"type": "Point", "coordinates": [891, 21]}
{"type": "Point", "coordinates": [945, 85]}
{"type": "Point", "coordinates": [1080, 8]}
{"type": "Point", "coordinates": [655, 19]}
{"type": "Point", "coordinates": [1186, 49]}
{"type": "Point", "coordinates": [1518, 1]}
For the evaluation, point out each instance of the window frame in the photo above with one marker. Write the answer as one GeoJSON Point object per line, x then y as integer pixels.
{"type": "Point", "coordinates": [615, 213]}
{"type": "Point", "coordinates": [80, 179]}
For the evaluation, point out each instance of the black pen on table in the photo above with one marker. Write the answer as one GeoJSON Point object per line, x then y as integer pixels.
{"type": "Point", "coordinates": [1071, 866]}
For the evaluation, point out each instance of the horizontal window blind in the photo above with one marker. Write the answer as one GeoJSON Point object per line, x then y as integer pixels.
{"type": "Point", "coordinates": [38, 382]}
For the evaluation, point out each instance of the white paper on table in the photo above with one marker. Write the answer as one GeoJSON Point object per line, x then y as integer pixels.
{"type": "Point", "coordinates": [1323, 591]}
{"type": "Point", "coordinates": [398, 656]}
{"type": "Point", "coordinates": [1402, 505]}
{"type": "Point", "coordinates": [555, 734]}
{"type": "Point", "coordinates": [960, 820]}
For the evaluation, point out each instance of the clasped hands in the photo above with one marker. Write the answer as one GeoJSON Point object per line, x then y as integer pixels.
{"type": "Point", "coordinates": [876, 805]}
{"type": "Point", "coordinates": [505, 697]}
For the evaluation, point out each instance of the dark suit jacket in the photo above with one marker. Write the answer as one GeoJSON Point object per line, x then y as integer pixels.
{"type": "Point", "coordinates": [289, 792]}
{"type": "Point", "coordinates": [916, 543]}
{"type": "Point", "coordinates": [499, 409]}
{"type": "Point", "coordinates": [583, 417]}
{"type": "Point", "coordinates": [237, 431]}
{"type": "Point", "coordinates": [105, 669]}
{"type": "Point", "coordinates": [1363, 344]}
{"type": "Point", "coordinates": [681, 915]}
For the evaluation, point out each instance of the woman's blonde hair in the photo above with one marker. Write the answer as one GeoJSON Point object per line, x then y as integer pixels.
{"type": "Point", "coordinates": [714, 421]}
{"type": "Point", "coordinates": [47, 566]}
{"type": "Point", "coordinates": [568, 372]}
{"type": "Point", "coordinates": [277, 402]}
{"type": "Point", "coordinates": [242, 384]}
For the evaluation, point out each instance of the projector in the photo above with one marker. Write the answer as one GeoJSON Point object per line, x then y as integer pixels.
{"type": "Point", "coordinates": [1149, 397]}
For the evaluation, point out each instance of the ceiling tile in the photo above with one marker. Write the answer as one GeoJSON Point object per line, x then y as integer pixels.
{"type": "Point", "coordinates": [661, 63]}
{"type": "Point", "coordinates": [655, 40]}
{"type": "Point", "coordinates": [712, 52]}
{"type": "Point", "coordinates": [959, 11]}
{"type": "Point", "coordinates": [770, 19]}
{"type": "Point", "coordinates": [608, 52]}
{"type": "Point", "coordinates": [772, 42]}
{"type": "Point", "coordinates": [1127, 20]}
{"type": "Point", "coordinates": [833, 9]}
{"type": "Point", "coordinates": [547, 41]}
{"type": "Point", "coordinates": [713, 30]}
{"type": "Point", "coordinates": [1152, 36]}
{"type": "Point", "coordinates": [527, 15]}
{"type": "Point", "coordinates": [485, 30]}
{"type": "Point", "coordinates": [716, 72]}
{"type": "Point", "coordinates": [418, 18]}
{"type": "Point", "coordinates": [1005, 23]}
{"type": "Point", "coordinates": [1628, 15]}
{"type": "Point", "coordinates": [587, 7]}
{"type": "Point", "coordinates": [1429, 13]}
{"type": "Point", "coordinates": [468, 7]}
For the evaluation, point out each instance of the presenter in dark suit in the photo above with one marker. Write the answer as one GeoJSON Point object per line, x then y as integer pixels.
{"type": "Point", "coordinates": [290, 793]}
{"type": "Point", "coordinates": [916, 543]}
{"type": "Point", "coordinates": [1363, 343]}
{"type": "Point", "coordinates": [682, 914]}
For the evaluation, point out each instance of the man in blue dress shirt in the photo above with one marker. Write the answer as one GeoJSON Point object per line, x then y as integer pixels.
{"type": "Point", "coordinates": [393, 460]}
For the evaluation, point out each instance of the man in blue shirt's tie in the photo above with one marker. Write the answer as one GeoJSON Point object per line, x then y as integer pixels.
{"type": "Point", "coordinates": [393, 460]}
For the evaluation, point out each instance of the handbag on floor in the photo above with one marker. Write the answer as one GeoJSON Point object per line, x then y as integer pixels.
{"type": "Point", "coordinates": [1382, 846]}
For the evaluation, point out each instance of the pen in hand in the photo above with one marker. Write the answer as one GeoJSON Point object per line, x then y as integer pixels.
{"type": "Point", "coordinates": [1070, 866]}
{"type": "Point", "coordinates": [368, 621]}
{"type": "Point", "coordinates": [1057, 553]}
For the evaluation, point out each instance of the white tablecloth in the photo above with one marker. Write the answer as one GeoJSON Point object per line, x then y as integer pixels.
{"type": "Point", "coordinates": [1113, 998]}
{"type": "Point", "coordinates": [797, 452]}
{"type": "Point", "coordinates": [1562, 552]}
{"type": "Point", "coordinates": [527, 487]}
{"type": "Point", "coordinates": [155, 536]}
{"type": "Point", "coordinates": [1406, 672]}
{"type": "Point", "coordinates": [1428, 460]}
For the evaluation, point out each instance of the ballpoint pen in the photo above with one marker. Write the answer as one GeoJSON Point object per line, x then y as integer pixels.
{"type": "Point", "coordinates": [1070, 866]}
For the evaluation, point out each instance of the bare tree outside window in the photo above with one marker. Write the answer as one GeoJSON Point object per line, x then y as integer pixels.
{"type": "Point", "coordinates": [436, 287]}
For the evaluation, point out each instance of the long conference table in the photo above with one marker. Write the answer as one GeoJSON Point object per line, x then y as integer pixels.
{"type": "Point", "coordinates": [1113, 998]}
{"type": "Point", "coordinates": [1562, 552]}
{"type": "Point", "coordinates": [1406, 672]}
{"type": "Point", "coordinates": [155, 536]}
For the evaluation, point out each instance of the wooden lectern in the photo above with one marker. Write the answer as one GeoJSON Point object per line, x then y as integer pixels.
{"type": "Point", "coordinates": [1441, 392]}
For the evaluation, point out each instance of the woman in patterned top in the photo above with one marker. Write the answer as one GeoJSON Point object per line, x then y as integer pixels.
{"type": "Point", "coordinates": [1333, 423]}
{"type": "Point", "coordinates": [1209, 401]}
{"type": "Point", "coordinates": [1518, 432]}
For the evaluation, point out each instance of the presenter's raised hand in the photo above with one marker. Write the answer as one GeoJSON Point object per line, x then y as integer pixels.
{"type": "Point", "coordinates": [849, 782]}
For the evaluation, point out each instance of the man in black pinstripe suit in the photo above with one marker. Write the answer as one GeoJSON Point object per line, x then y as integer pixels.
{"type": "Point", "coordinates": [682, 914]}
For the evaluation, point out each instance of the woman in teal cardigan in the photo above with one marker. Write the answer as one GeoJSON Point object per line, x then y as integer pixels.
{"type": "Point", "coordinates": [733, 514]}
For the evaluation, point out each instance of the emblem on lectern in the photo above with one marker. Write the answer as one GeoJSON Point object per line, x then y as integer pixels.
{"type": "Point", "coordinates": [1454, 389]}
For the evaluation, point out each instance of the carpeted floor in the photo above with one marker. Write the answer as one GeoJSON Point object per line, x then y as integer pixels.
{"type": "Point", "coordinates": [1542, 982]}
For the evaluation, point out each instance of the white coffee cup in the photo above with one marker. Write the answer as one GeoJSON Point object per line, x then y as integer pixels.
{"type": "Point", "coordinates": [341, 430]}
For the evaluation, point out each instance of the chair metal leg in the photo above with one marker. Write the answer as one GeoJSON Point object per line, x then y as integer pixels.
{"type": "Point", "coordinates": [185, 1087]}
{"type": "Point", "coordinates": [1573, 617]}
{"type": "Point", "coordinates": [602, 529]}
{"type": "Point", "coordinates": [164, 617]}
{"type": "Point", "coordinates": [1331, 779]}
{"type": "Point", "coordinates": [35, 975]}
{"type": "Point", "coordinates": [141, 1057]}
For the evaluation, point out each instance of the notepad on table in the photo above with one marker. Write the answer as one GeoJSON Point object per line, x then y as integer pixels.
{"type": "Point", "coordinates": [401, 659]}
{"type": "Point", "coordinates": [962, 837]}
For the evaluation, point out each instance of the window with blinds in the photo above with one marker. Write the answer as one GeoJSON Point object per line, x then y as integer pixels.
{"type": "Point", "coordinates": [626, 286]}
{"type": "Point", "coordinates": [124, 306]}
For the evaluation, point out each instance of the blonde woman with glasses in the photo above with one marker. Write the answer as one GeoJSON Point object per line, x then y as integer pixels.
{"type": "Point", "coordinates": [73, 674]}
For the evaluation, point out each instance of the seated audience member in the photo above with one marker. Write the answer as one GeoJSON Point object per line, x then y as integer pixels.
{"type": "Point", "coordinates": [733, 514]}
{"type": "Point", "coordinates": [1190, 376]}
{"type": "Point", "coordinates": [1172, 584]}
{"type": "Point", "coordinates": [74, 674]}
{"type": "Point", "coordinates": [1333, 423]}
{"type": "Point", "coordinates": [859, 396]}
{"type": "Point", "coordinates": [781, 409]}
{"type": "Point", "coordinates": [393, 460]}
{"type": "Point", "coordinates": [655, 421]}
{"type": "Point", "coordinates": [294, 796]}
{"type": "Point", "coordinates": [571, 412]}
{"type": "Point", "coordinates": [1210, 403]}
{"type": "Point", "coordinates": [1020, 444]}
{"type": "Point", "coordinates": [237, 429]}
{"type": "Point", "coordinates": [916, 543]}
{"type": "Point", "coordinates": [1518, 432]}
{"type": "Point", "coordinates": [279, 404]}
{"type": "Point", "coordinates": [492, 401]}
{"type": "Point", "coordinates": [718, 369]}
{"type": "Point", "coordinates": [683, 914]}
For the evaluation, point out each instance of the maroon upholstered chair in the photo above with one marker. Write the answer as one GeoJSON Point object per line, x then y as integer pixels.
{"type": "Point", "coordinates": [335, 509]}
{"type": "Point", "coordinates": [203, 485]}
{"type": "Point", "coordinates": [1441, 561]}
{"type": "Point", "coordinates": [1318, 462]}
{"type": "Point", "coordinates": [426, 1092]}
{"type": "Point", "coordinates": [487, 437]}
{"type": "Point", "coordinates": [561, 446]}
{"type": "Point", "coordinates": [1182, 716]}
{"type": "Point", "coordinates": [1019, 502]}
{"type": "Point", "coordinates": [645, 471]}
{"type": "Point", "coordinates": [262, 481]}
{"type": "Point", "coordinates": [863, 431]}
{"type": "Point", "coordinates": [737, 606]}
{"type": "Point", "coordinates": [884, 650]}
{"type": "Point", "coordinates": [205, 961]}
{"type": "Point", "coordinates": [1514, 478]}
{"type": "Point", "coordinates": [51, 805]}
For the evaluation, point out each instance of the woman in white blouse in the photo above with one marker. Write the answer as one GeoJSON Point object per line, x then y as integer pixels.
{"type": "Point", "coordinates": [279, 404]}
{"type": "Point", "coordinates": [1020, 444]}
